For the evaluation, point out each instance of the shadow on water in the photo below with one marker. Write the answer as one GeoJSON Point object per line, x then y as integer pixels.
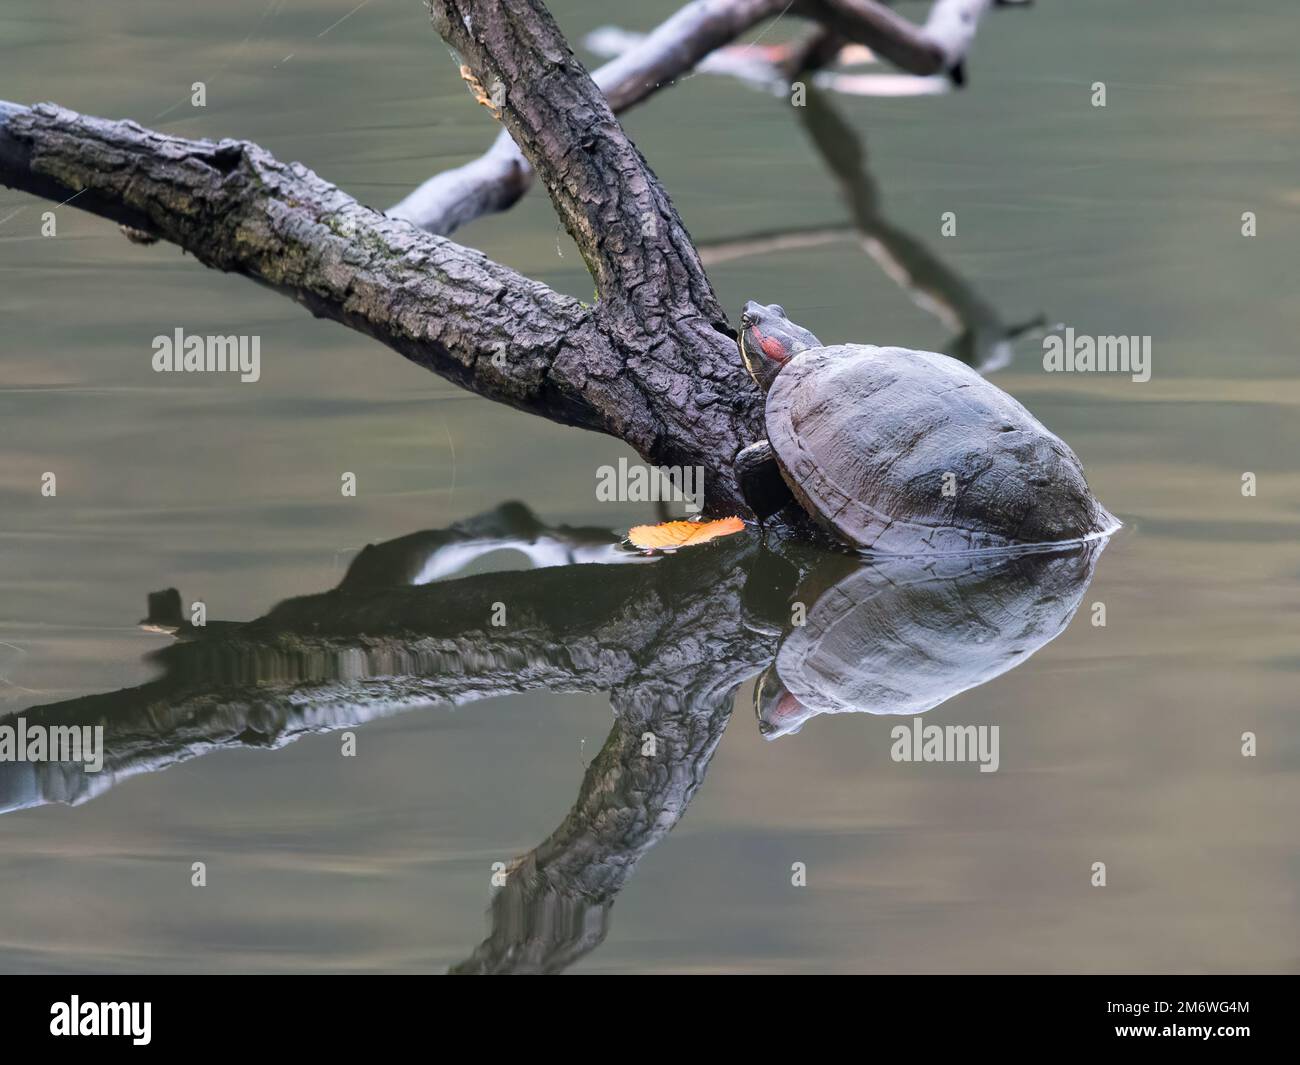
{"type": "Point", "coordinates": [982, 338]}
{"type": "Point", "coordinates": [671, 639]}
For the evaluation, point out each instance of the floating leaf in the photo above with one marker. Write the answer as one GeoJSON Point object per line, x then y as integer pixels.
{"type": "Point", "coordinates": [674, 534]}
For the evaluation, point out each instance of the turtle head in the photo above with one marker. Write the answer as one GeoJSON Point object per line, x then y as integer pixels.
{"type": "Point", "coordinates": [779, 713]}
{"type": "Point", "coordinates": [768, 340]}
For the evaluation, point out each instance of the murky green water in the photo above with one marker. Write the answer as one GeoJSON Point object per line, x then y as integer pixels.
{"type": "Point", "coordinates": [1119, 744]}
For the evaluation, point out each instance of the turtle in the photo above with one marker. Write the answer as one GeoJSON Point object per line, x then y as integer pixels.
{"type": "Point", "coordinates": [901, 635]}
{"type": "Point", "coordinates": [898, 451]}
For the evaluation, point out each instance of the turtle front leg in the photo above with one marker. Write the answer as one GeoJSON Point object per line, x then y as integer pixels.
{"type": "Point", "coordinates": [760, 480]}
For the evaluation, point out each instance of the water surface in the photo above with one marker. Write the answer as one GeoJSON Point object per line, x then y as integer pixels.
{"type": "Point", "coordinates": [1119, 743]}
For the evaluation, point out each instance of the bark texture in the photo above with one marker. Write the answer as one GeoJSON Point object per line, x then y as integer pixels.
{"type": "Point", "coordinates": [236, 208]}
{"type": "Point", "coordinates": [678, 398]}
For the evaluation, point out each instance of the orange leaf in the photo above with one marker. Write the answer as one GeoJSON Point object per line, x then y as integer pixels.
{"type": "Point", "coordinates": [674, 534]}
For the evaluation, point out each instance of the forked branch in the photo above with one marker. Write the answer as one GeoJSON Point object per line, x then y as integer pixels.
{"type": "Point", "coordinates": [502, 175]}
{"type": "Point", "coordinates": [624, 224]}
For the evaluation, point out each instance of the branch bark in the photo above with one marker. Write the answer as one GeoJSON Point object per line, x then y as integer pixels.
{"type": "Point", "coordinates": [672, 390]}
{"type": "Point", "coordinates": [236, 208]}
{"type": "Point", "coordinates": [625, 226]}
{"type": "Point", "coordinates": [678, 350]}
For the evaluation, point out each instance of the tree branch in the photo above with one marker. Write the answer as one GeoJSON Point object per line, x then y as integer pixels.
{"type": "Point", "coordinates": [679, 357]}
{"type": "Point", "coordinates": [642, 260]}
{"type": "Point", "coordinates": [938, 47]}
{"type": "Point", "coordinates": [501, 176]}
{"type": "Point", "coordinates": [236, 208]}
{"type": "Point", "coordinates": [983, 339]}
{"type": "Point", "coordinates": [673, 392]}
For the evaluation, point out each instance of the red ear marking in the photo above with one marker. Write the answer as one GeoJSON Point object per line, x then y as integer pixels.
{"type": "Point", "coordinates": [772, 349]}
{"type": "Point", "coordinates": [788, 707]}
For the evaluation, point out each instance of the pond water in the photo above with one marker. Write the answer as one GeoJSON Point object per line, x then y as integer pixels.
{"type": "Point", "coordinates": [1119, 743]}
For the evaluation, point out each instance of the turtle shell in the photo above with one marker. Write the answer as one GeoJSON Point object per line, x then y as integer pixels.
{"type": "Point", "coordinates": [902, 451]}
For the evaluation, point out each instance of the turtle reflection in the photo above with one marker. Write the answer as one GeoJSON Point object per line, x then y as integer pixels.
{"type": "Point", "coordinates": [671, 640]}
{"type": "Point", "coordinates": [903, 635]}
